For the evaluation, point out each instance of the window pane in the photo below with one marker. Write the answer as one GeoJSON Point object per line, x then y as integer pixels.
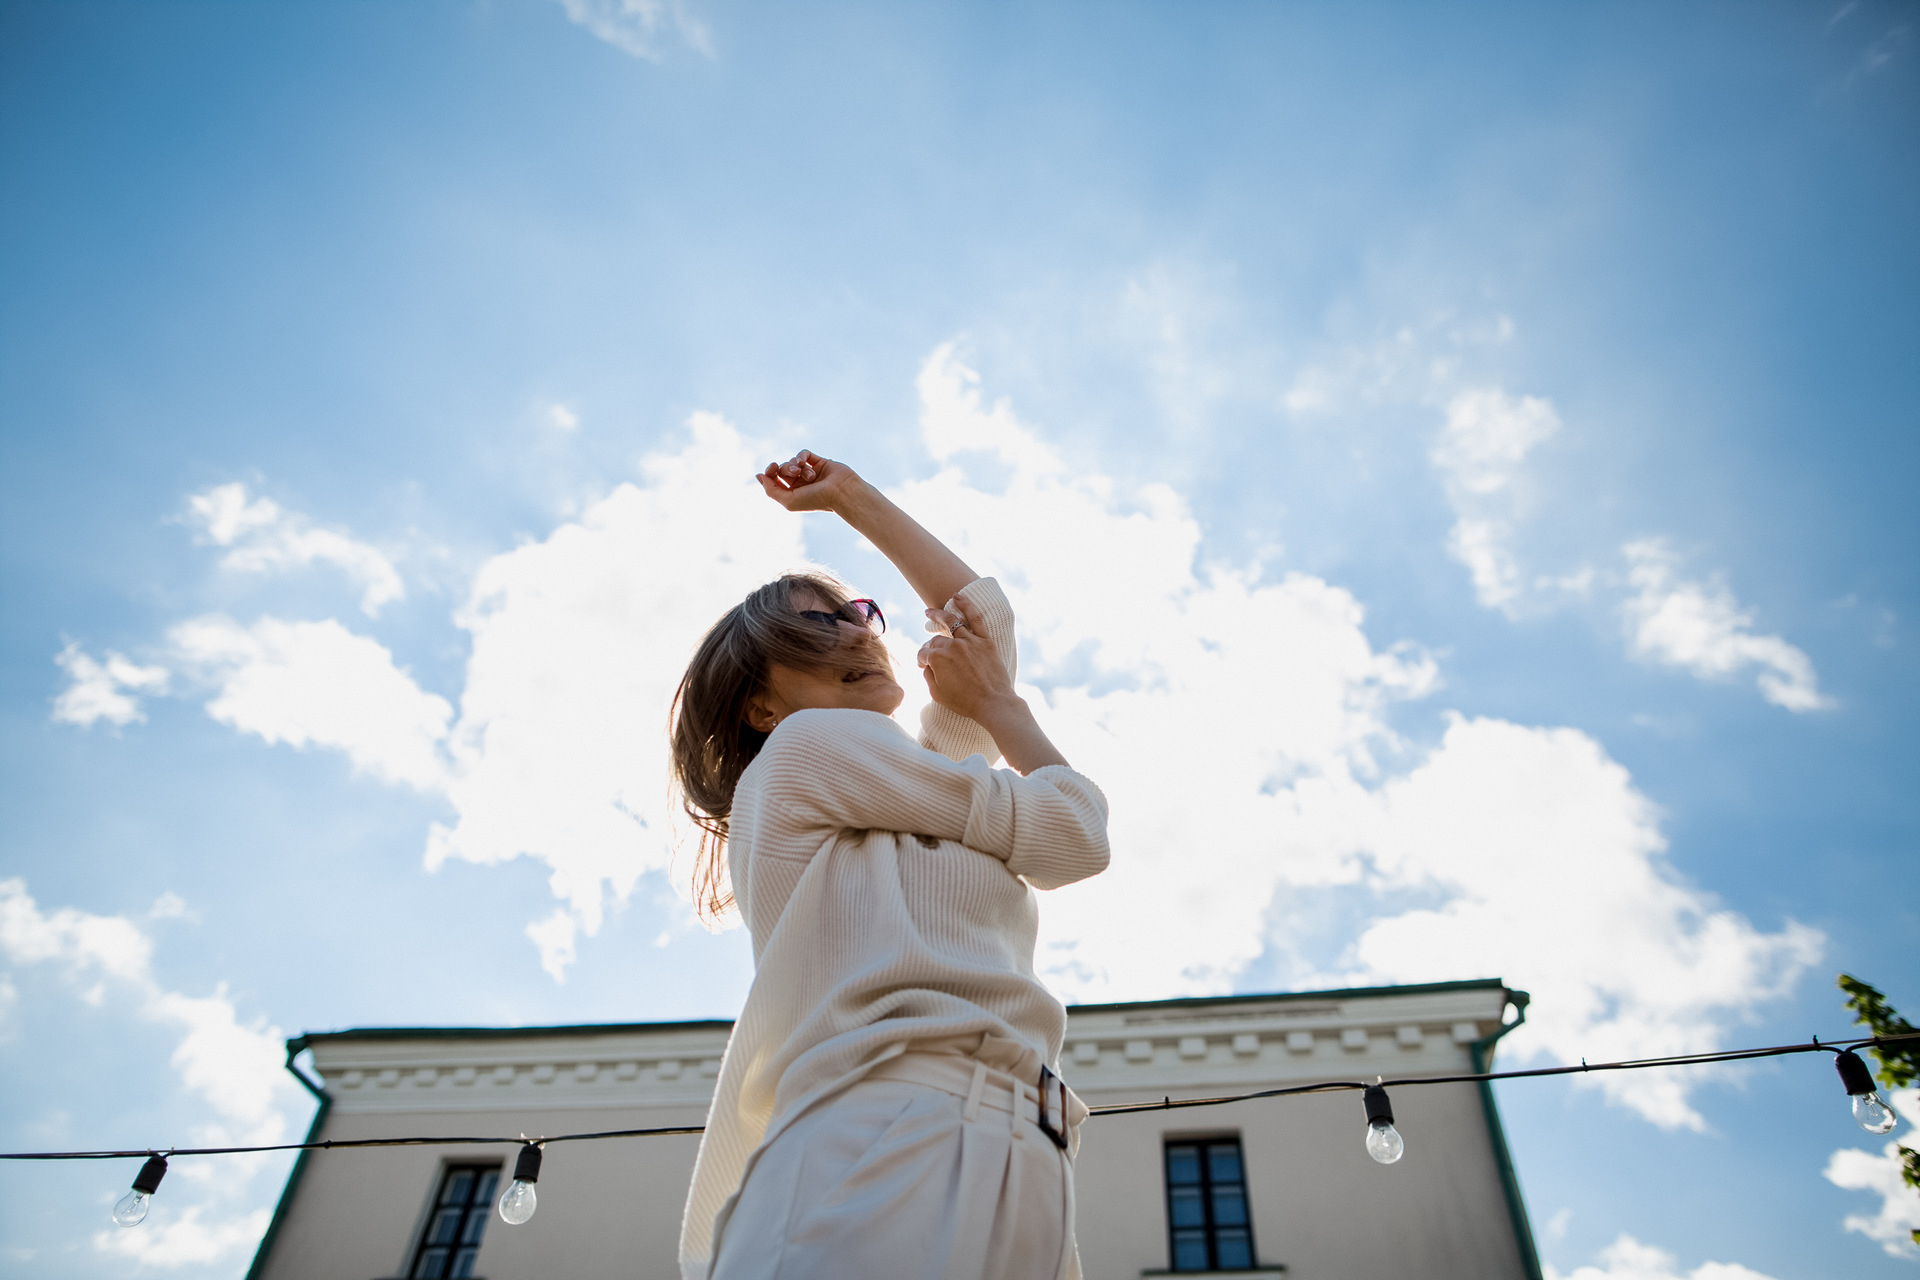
{"type": "Point", "coordinates": [1223, 1162]}
{"type": "Point", "coordinates": [1183, 1165]}
{"type": "Point", "coordinates": [450, 1244]}
{"type": "Point", "coordinates": [1229, 1207]}
{"type": "Point", "coordinates": [1234, 1249]}
{"type": "Point", "coordinates": [1184, 1206]}
{"type": "Point", "coordinates": [445, 1223]}
{"type": "Point", "coordinates": [1189, 1251]}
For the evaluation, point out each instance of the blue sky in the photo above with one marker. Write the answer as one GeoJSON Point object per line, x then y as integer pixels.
{"type": "Point", "coordinates": [1451, 465]}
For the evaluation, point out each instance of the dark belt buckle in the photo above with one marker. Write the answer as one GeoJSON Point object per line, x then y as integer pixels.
{"type": "Point", "coordinates": [1058, 1135]}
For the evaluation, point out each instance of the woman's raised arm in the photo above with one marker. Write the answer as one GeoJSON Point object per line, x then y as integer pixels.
{"type": "Point", "coordinates": [809, 482]}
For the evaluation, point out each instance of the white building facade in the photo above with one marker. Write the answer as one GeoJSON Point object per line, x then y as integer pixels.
{"type": "Point", "coordinates": [1276, 1187]}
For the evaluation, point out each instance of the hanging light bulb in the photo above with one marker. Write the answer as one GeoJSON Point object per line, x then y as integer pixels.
{"type": "Point", "coordinates": [132, 1209]}
{"type": "Point", "coordinates": [1869, 1112]}
{"type": "Point", "coordinates": [1384, 1142]}
{"type": "Point", "coordinates": [518, 1204]}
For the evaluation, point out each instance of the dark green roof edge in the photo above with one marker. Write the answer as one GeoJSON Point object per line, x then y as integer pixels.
{"type": "Point", "coordinates": [1481, 1052]}
{"type": "Point", "coordinates": [502, 1033]}
{"type": "Point", "coordinates": [264, 1251]}
{"type": "Point", "coordinates": [311, 1038]}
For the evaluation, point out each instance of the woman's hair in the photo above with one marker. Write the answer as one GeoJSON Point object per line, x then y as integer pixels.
{"type": "Point", "coordinates": [712, 743]}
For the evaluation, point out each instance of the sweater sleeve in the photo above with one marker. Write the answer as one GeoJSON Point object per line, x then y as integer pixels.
{"type": "Point", "coordinates": [945, 730]}
{"type": "Point", "coordinates": [840, 769]}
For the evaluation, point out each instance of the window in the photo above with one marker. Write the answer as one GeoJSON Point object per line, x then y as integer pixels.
{"type": "Point", "coordinates": [451, 1243]}
{"type": "Point", "coordinates": [1207, 1218]}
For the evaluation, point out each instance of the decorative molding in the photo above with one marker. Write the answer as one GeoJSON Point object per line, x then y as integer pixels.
{"type": "Point", "coordinates": [1115, 1050]}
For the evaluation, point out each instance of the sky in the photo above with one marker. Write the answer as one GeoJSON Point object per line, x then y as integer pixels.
{"type": "Point", "coordinates": [1451, 465]}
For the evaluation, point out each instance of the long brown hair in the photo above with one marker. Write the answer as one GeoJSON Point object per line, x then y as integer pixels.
{"type": "Point", "coordinates": [712, 743]}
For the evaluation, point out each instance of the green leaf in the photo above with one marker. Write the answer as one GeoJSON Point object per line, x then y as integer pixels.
{"type": "Point", "coordinates": [1899, 1063]}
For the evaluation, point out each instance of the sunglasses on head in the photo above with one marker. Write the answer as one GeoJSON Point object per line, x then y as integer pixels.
{"type": "Point", "coordinates": [861, 613]}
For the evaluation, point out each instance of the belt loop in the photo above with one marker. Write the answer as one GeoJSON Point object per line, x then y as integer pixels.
{"type": "Point", "coordinates": [975, 1090]}
{"type": "Point", "coordinates": [1019, 1092]}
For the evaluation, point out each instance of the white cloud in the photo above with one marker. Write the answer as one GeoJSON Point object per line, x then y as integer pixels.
{"type": "Point", "coordinates": [85, 944]}
{"type": "Point", "coordinates": [1548, 863]}
{"type": "Point", "coordinates": [263, 537]}
{"type": "Point", "coordinates": [1628, 1259]}
{"type": "Point", "coordinates": [316, 683]}
{"type": "Point", "coordinates": [1137, 648]}
{"type": "Point", "coordinates": [1487, 437]}
{"type": "Point", "coordinates": [1480, 455]}
{"type": "Point", "coordinates": [1857, 1170]}
{"type": "Point", "coordinates": [234, 1069]}
{"type": "Point", "coordinates": [1239, 724]}
{"type": "Point", "coordinates": [641, 27]}
{"type": "Point", "coordinates": [562, 418]}
{"type": "Point", "coordinates": [952, 419]}
{"type": "Point", "coordinates": [578, 643]}
{"type": "Point", "coordinates": [103, 690]}
{"type": "Point", "coordinates": [1700, 627]}
{"type": "Point", "coordinates": [183, 1238]}
{"type": "Point", "coordinates": [170, 906]}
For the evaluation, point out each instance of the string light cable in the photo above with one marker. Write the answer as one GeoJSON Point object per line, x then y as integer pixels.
{"type": "Point", "coordinates": [1383, 1141]}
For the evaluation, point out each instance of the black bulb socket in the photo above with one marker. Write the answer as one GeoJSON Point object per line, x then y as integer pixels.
{"type": "Point", "coordinates": [1379, 1110]}
{"type": "Point", "coordinates": [147, 1181]}
{"type": "Point", "coordinates": [527, 1167]}
{"type": "Point", "coordinates": [1853, 1073]}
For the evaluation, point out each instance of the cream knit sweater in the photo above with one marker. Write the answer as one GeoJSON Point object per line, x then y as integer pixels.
{"type": "Point", "coordinates": [888, 886]}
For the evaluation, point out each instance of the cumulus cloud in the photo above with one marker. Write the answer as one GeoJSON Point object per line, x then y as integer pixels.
{"type": "Point", "coordinates": [318, 684]}
{"type": "Point", "coordinates": [1239, 721]}
{"type": "Point", "coordinates": [1548, 865]}
{"type": "Point", "coordinates": [1136, 648]}
{"type": "Point", "coordinates": [1240, 725]}
{"type": "Point", "coordinates": [577, 644]}
{"type": "Point", "coordinates": [1701, 628]}
{"type": "Point", "coordinates": [1487, 436]}
{"type": "Point", "coordinates": [103, 690]}
{"type": "Point", "coordinates": [187, 1236]}
{"type": "Point", "coordinates": [263, 537]}
{"type": "Point", "coordinates": [1856, 1170]}
{"type": "Point", "coordinates": [1479, 453]}
{"type": "Point", "coordinates": [233, 1067]}
{"type": "Point", "coordinates": [1628, 1259]}
{"type": "Point", "coordinates": [1479, 456]}
{"type": "Point", "coordinates": [641, 27]}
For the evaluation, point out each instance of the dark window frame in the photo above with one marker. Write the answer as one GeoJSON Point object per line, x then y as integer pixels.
{"type": "Point", "coordinates": [1203, 1152]}
{"type": "Point", "coordinates": [456, 1224]}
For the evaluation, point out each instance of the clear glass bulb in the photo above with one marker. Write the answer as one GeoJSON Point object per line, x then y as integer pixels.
{"type": "Point", "coordinates": [1872, 1114]}
{"type": "Point", "coordinates": [1384, 1142]}
{"type": "Point", "coordinates": [519, 1203]}
{"type": "Point", "coordinates": [132, 1209]}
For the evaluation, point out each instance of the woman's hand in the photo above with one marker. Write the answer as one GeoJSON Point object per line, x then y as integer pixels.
{"type": "Point", "coordinates": [964, 674]}
{"type": "Point", "coordinates": [963, 669]}
{"type": "Point", "coordinates": [809, 482]}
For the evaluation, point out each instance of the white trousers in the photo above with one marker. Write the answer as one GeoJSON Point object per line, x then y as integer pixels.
{"type": "Point", "coordinates": [896, 1178]}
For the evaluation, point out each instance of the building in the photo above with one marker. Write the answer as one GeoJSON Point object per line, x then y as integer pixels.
{"type": "Point", "coordinates": [1316, 1207]}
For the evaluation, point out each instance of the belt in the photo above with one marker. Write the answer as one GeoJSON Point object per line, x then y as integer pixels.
{"type": "Point", "coordinates": [1055, 1109]}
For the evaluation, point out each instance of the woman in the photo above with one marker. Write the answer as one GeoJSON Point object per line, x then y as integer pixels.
{"type": "Point", "coordinates": [880, 1110]}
